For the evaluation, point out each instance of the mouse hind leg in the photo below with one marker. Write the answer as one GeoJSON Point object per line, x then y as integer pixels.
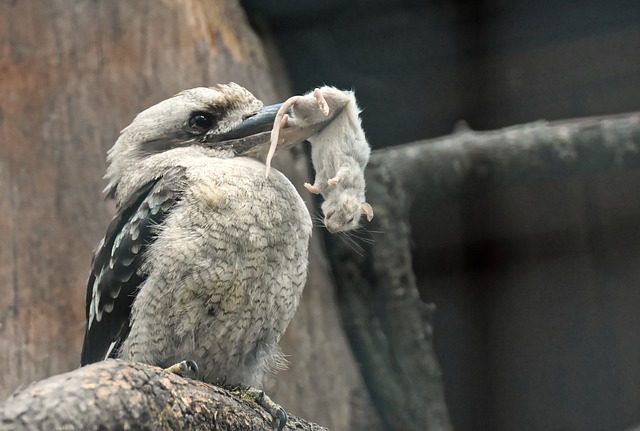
{"type": "Point", "coordinates": [280, 121]}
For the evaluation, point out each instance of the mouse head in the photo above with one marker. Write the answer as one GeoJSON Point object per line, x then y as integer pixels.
{"type": "Point", "coordinates": [342, 212]}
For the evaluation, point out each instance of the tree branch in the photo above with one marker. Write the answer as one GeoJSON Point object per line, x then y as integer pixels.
{"type": "Point", "coordinates": [467, 160]}
{"type": "Point", "coordinates": [119, 395]}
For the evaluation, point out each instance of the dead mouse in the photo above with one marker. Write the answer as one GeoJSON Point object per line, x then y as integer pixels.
{"type": "Point", "coordinates": [339, 153]}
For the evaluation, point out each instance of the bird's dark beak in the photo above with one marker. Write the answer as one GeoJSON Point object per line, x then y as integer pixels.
{"type": "Point", "coordinates": [253, 134]}
{"type": "Point", "coordinates": [257, 123]}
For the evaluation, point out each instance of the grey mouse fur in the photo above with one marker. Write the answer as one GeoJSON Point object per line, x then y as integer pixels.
{"type": "Point", "coordinates": [339, 152]}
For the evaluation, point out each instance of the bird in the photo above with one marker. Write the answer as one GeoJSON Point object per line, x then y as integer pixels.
{"type": "Point", "coordinates": [205, 258]}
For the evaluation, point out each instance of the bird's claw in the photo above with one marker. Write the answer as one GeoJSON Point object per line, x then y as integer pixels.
{"type": "Point", "coordinates": [281, 420]}
{"type": "Point", "coordinates": [275, 410]}
{"type": "Point", "coordinates": [186, 368]}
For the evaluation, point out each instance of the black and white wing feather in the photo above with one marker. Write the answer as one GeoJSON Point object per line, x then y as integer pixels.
{"type": "Point", "coordinates": [116, 267]}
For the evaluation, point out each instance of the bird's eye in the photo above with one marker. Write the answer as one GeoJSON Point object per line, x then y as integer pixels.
{"type": "Point", "coordinates": [201, 121]}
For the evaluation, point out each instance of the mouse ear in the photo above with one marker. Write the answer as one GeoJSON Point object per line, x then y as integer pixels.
{"type": "Point", "coordinates": [367, 210]}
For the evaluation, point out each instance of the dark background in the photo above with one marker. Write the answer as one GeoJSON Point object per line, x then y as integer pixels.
{"type": "Point", "coordinates": [420, 66]}
{"type": "Point", "coordinates": [537, 285]}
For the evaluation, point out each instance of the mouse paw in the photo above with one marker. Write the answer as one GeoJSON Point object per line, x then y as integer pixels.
{"type": "Point", "coordinates": [312, 189]}
{"type": "Point", "coordinates": [322, 102]}
{"type": "Point", "coordinates": [333, 181]}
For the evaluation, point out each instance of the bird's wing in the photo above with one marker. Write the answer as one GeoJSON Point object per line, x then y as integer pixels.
{"type": "Point", "coordinates": [116, 267]}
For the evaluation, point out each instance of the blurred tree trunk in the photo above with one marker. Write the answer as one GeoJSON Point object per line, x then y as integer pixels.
{"type": "Point", "coordinates": [73, 75]}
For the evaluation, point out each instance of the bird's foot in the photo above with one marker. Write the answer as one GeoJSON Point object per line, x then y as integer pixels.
{"type": "Point", "coordinates": [184, 369]}
{"type": "Point", "coordinates": [257, 396]}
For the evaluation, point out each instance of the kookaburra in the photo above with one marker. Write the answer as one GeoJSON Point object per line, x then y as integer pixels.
{"type": "Point", "coordinates": [206, 257]}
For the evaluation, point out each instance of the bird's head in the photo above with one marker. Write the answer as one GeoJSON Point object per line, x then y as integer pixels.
{"type": "Point", "coordinates": [226, 119]}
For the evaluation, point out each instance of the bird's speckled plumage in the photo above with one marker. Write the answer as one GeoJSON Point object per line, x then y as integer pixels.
{"type": "Point", "coordinates": [210, 255]}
